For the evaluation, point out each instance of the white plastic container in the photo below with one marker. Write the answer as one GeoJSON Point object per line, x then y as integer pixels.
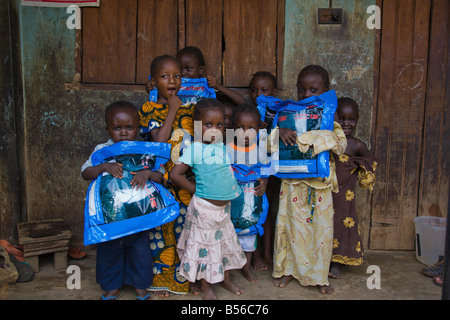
{"type": "Point", "coordinates": [430, 238]}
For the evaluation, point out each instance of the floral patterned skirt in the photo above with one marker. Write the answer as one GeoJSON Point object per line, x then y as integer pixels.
{"type": "Point", "coordinates": [208, 245]}
{"type": "Point", "coordinates": [304, 234]}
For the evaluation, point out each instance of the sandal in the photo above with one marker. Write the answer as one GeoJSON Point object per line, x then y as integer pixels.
{"type": "Point", "coordinates": [434, 270]}
{"type": "Point", "coordinates": [76, 253]}
{"type": "Point", "coordinates": [111, 297]}
{"type": "Point", "coordinates": [144, 297]}
{"type": "Point", "coordinates": [25, 271]}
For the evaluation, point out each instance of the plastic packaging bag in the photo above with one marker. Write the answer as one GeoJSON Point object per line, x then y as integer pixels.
{"type": "Point", "coordinates": [249, 212]}
{"type": "Point", "coordinates": [314, 113]}
{"type": "Point", "coordinates": [268, 107]}
{"type": "Point", "coordinates": [113, 209]}
{"type": "Point", "coordinates": [191, 91]}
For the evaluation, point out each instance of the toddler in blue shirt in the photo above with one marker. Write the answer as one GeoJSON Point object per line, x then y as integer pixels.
{"type": "Point", "coordinates": [208, 245]}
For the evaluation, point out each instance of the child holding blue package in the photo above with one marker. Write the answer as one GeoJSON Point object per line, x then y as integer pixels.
{"type": "Point", "coordinates": [266, 84]}
{"type": "Point", "coordinates": [304, 228]}
{"type": "Point", "coordinates": [249, 210]}
{"type": "Point", "coordinates": [193, 66]}
{"type": "Point", "coordinates": [168, 120]}
{"type": "Point", "coordinates": [127, 260]}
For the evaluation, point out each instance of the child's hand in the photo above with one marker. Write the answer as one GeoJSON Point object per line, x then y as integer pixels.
{"type": "Point", "coordinates": [212, 82]}
{"type": "Point", "coordinates": [140, 179]}
{"type": "Point", "coordinates": [174, 102]}
{"type": "Point", "coordinates": [114, 169]}
{"type": "Point", "coordinates": [262, 125]}
{"type": "Point", "coordinates": [261, 188]}
{"type": "Point", "coordinates": [288, 136]}
{"type": "Point", "coordinates": [149, 86]}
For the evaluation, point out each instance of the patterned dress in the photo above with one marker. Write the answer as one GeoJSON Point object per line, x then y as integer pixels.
{"type": "Point", "coordinates": [208, 245]}
{"type": "Point", "coordinates": [163, 239]}
{"type": "Point", "coordinates": [347, 244]}
{"type": "Point", "coordinates": [304, 227]}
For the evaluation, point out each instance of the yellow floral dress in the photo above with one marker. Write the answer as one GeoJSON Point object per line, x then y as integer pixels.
{"type": "Point", "coordinates": [347, 244]}
{"type": "Point", "coordinates": [304, 227]}
{"type": "Point", "coordinates": [163, 239]}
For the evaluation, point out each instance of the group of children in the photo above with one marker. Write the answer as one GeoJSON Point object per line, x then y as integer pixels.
{"type": "Point", "coordinates": [201, 246]}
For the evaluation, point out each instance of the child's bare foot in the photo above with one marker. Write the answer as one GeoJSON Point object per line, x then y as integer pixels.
{"type": "Point", "coordinates": [326, 289]}
{"type": "Point", "coordinates": [207, 291]}
{"type": "Point", "coordinates": [162, 293]}
{"type": "Point", "coordinates": [228, 284]}
{"type": "Point", "coordinates": [334, 271]}
{"type": "Point", "coordinates": [283, 281]}
{"type": "Point", "coordinates": [248, 274]}
{"type": "Point", "coordinates": [195, 288]}
{"type": "Point", "coordinates": [268, 258]}
{"type": "Point", "coordinates": [258, 263]}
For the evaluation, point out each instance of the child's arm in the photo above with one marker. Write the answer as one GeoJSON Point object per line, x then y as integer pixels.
{"type": "Point", "coordinates": [361, 149]}
{"type": "Point", "coordinates": [141, 177]}
{"type": "Point", "coordinates": [233, 95]}
{"type": "Point", "coordinates": [323, 140]}
{"type": "Point", "coordinates": [177, 174]}
{"type": "Point", "coordinates": [114, 169]}
{"type": "Point", "coordinates": [162, 134]}
{"type": "Point", "coordinates": [261, 189]}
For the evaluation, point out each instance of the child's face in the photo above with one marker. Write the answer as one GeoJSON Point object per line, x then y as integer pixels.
{"type": "Point", "coordinates": [261, 86]}
{"type": "Point", "coordinates": [311, 85]}
{"type": "Point", "coordinates": [213, 128]}
{"type": "Point", "coordinates": [190, 67]}
{"type": "Point", "coordinates": [347, 118]}
{"type": "Point", "coordinates": [122, 125]}
{"type": "Point", "coordinates": [247, 127]}
{"type": "Point", "coordinates": [228, 121]}
{"type": "Point", "coordinates": [167, 80]}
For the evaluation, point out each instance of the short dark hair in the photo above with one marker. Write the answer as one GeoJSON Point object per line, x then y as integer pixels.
{"type": "Point", "coordinates": [246, 108]}
{"type": "Point", "coordinates": [196, 52]}
{"type": "Point", "coordinates": [158, 60]}
{"type": "Point", "coordinates": [206, 104]}
{"type": "Point", "coordinates": [349, 101]}
{"type": "Point", "coordinates": [265, 74]}
{"type": "Point", "coordinates": [315, 69]}
{"type": "Point", "coordinates": [120, 105]}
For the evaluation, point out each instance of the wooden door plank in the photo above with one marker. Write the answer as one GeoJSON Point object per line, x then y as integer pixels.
{"type": "Point", "coordinates": [109, 45]}
{"type": "Point", "coordinates": [157, 33]}
{"type": "Point", "coordinates": [250, 31]}
{"type": "Point", "coordinates": [435, 174]}
{"type": "Point", "coordinates": [232, 34]}
{"type": "Point", "coordinates": [379, 216]}
{"type": "Point", "coordinates": [204, 31]}
{"type": "Point", "coordinates": [126, 49]}
{"type": "Point", "coordinates": [399, 122]}
{"type": "Point", "coordinates": [91, 52]}
{"type": "Point", "coordinates": [108, 42]}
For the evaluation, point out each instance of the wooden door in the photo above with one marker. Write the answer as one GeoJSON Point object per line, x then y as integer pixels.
{"type": "Point", "coordinates": [406, 151]}
{"type": "Point", "coordinates": [237, 38]}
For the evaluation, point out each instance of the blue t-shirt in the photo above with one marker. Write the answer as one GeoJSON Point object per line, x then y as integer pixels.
{"type": "Point", "coordinates": [213, 173]}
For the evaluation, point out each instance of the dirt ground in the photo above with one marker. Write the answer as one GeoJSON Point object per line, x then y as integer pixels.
{"type": "Point", "coordinates": [400, 275]}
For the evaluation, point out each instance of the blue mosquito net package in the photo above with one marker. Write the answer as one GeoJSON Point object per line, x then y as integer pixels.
{"type": "Point", "coordinates": [314, 113]}
{"type": "Point", "coordinates": [268, 107]}
{"type": "Point", "coordinates": [191, 91]}
{"type": "Point", "coordinates": [248, 211]}
{"type": "Point", "coordinates": [113, 209]}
